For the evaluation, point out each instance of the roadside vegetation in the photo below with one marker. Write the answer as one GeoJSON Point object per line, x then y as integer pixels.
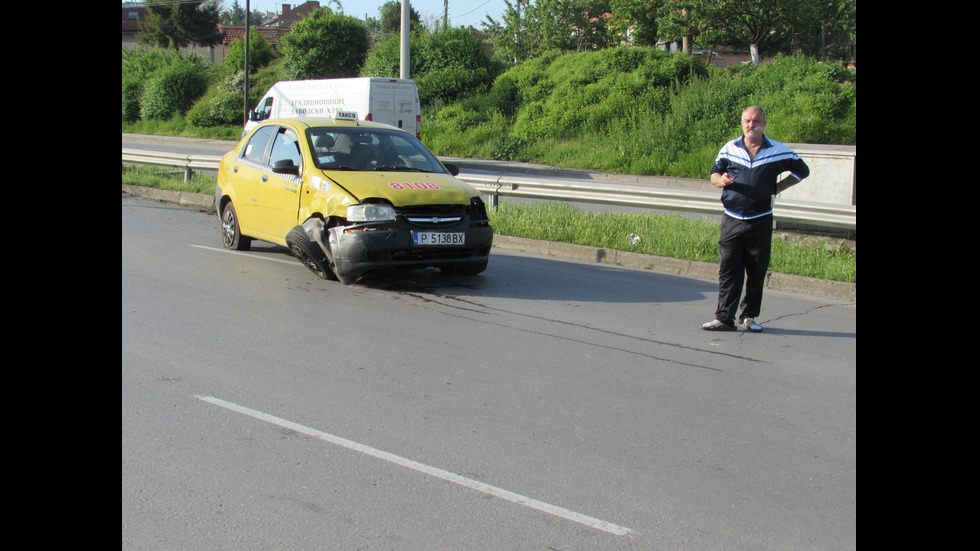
{"type": "Point", "coordinates": [600, 106]}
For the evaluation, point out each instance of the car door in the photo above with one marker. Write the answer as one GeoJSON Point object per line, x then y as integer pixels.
{"type": "Point", "coordinates": [246, 177]}
{"type": "Point", "coordinates": [277, 193]}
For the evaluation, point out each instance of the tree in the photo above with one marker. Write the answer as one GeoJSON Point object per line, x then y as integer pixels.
{"type": "Point", "coordinates": [761, 26]}
{"type": "Point", "coordinates": [688, 21]}
{"type": "Point", "coordinates": [831, 31]}
{"type": "Point", "coordinates": [235, 15]}
{"type": "Point", "coordinates": [447, 63]}
{"type": "Point", "coordinates": [171, 24]}
{"type": "Point", "coordinates": [565, 25]}
{"type": "Point", "coordinates": [391, 17]}
{"type": "Point", "coordinates": [260, 53]}
{"type": "Point", "coordinates": [637, 18]}
{"type": "Point", "coordinates": [508, 34]}
{"type": "Point", "coordinates": [324, 45]}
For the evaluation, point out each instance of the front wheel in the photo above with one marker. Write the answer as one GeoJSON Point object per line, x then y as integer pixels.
{"type": "Point", "coordinates": [309, 253]}
{"type": "Point", "coordinates": [231, 235]}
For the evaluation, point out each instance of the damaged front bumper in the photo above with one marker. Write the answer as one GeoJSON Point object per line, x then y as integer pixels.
{"type": "Point", "coordinates": [361, 248]}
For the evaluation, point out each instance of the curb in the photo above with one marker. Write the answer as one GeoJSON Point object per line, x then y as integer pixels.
{"type": "Point", "coordinates": [704, 271]}
{"type": "Point", "coordinates": [685, 268]}
{"type": "Point", "coordinates": [185, 198]}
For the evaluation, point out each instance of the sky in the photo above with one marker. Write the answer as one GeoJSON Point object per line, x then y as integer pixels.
{"type": "Point", "coordinates": [461, 12]}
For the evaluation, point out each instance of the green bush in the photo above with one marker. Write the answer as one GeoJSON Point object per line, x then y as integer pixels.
{"type": "Point", "coordinates": [634, 110]}
{"type": "Point", "coordinates": [172, 91]}
{"type": "Point", "coordinates": [222, 104]}
{"type": "Point", "coordinates": [577, 94]}
{"type": "Point", "coordinates": [644, 111]}
{"type": "Point", "coordinates": [324, 45]}
{"type": "Point", "coordinates": [805, 101]}
{"type": "Point", "coordinates": [132, 90]}
{"type": "Point", "coordinates": [163, 83]}
{"type": "Point", "coordinates": [447, 65]}
{"type": "Point", "coordinates": [509, 148]}
{"type": "Point", "coordinates": [503, 95]}
{"type": "Point", "coordinates": [449, 83]}
{"type": "Point", "coordinates": [260, 53]}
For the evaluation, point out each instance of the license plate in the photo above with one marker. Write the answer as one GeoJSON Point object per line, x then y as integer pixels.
{"type": "Point", "coordinates": [438, 238]}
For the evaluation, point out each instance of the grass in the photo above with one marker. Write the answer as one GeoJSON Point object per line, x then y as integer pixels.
{"type": "Point", "coordinates": [165, 178]}
{"type": "Point", "coordinates": [178, 126]}
{"type": "Point", "coordinates": [667, 235]}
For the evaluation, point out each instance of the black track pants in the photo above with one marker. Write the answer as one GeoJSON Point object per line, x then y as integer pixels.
{"type": "Point", "coordinates": [745, 247]}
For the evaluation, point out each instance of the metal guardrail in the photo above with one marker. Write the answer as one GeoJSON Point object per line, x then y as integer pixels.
{"type": "Point", "coordinates": [637, 195]}
{"type": "Point", "coordinates": [188, 162]}
{"type": "Point", "coordinates": [627, 195]}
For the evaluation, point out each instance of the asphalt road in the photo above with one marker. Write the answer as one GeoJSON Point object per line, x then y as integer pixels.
{"type": "Point", "coordinates": [544, 404]}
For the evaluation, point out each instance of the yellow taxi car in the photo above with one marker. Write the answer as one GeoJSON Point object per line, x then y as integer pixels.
{"type": "Point", "coordinates": [349, 197]}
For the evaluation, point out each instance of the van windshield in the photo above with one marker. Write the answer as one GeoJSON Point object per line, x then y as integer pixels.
{"type": "Point", "coordinates": [369, 149]}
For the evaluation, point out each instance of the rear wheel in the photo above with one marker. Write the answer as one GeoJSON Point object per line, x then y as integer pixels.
{"type": "Point", "coordinates": [231, 235]}
{"type": "Point", "coordinates": [309, 253]}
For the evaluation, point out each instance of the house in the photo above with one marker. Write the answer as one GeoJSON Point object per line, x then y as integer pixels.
{"type": "Point", "coordinates": [272, 29]}
{"type": "Point", "coordinates": [237, 32]}
{"type": "Point", "coordinates": [132, 12]}
{"type": "Point", "coordinates": [290, 15]}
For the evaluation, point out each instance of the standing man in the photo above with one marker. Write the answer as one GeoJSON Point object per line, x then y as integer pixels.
{"type": "Point", "coordinates": [746, 170]}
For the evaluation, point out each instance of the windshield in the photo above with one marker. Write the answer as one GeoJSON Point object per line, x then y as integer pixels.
{"type": "Point", "coordinates": [369, 149]}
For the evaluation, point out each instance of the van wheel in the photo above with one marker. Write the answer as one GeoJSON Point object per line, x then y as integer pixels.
{"type": "Point", "coordinates": [309, 253]}
{"type": "Point", "coordinates": [231, 235]}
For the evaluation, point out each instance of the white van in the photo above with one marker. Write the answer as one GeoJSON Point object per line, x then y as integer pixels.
{"type": "Point", "coordinates": [393, 101]}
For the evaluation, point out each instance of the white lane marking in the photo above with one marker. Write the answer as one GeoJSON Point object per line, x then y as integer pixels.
{"type": "Point", "coordinates": [425, 469]}
{"type": "Point", "coordinates": [293, 262]}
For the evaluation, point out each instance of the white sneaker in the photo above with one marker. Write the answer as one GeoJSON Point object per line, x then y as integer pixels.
{"type": "Point", "coordinates": [716, 325]}
{"type": "Point", "coordinates": [749, 324]}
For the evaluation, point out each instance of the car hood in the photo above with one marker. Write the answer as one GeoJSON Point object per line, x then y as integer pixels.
{"type": "Point", "coordinates": [404, 189]}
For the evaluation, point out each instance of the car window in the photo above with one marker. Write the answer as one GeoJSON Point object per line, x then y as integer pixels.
{"type": "Point", "coordinates": [285, 147]}
{"type": "Point", "coordinates": [266, 109]}
{"type": "Point", "coordinates": [369, 149]}
{"type": "Point", "coordinates": [255, 150]}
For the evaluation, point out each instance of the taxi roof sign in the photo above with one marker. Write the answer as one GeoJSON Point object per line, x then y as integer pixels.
{"type": "Point", "coordinates": [346, 115]}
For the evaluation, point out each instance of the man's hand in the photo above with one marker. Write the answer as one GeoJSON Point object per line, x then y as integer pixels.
{"type": "Point", "coordinates": [721, 180]}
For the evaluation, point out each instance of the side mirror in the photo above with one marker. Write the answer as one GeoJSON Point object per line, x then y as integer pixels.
{"type": "Point", "coordinates": [452, 168]}
{"type": "Point", "coordinates": [285, 166]}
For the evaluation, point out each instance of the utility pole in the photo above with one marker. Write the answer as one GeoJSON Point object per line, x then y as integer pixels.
{"type": "Point", "coordinates": [517, 32]}
{"type": "Point", "coordinates": [405, 67]}
{"type": "Point", "coordinates": [247, 9]}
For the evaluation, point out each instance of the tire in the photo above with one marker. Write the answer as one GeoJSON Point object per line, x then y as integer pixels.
{"type": "Point", "coordinates": [231, 235]}
{"type": "Point", "coordinates": [309, 253]}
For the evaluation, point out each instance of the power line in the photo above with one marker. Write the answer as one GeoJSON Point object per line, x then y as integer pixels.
{"type": "Point", "coordinates": [471, 11]}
